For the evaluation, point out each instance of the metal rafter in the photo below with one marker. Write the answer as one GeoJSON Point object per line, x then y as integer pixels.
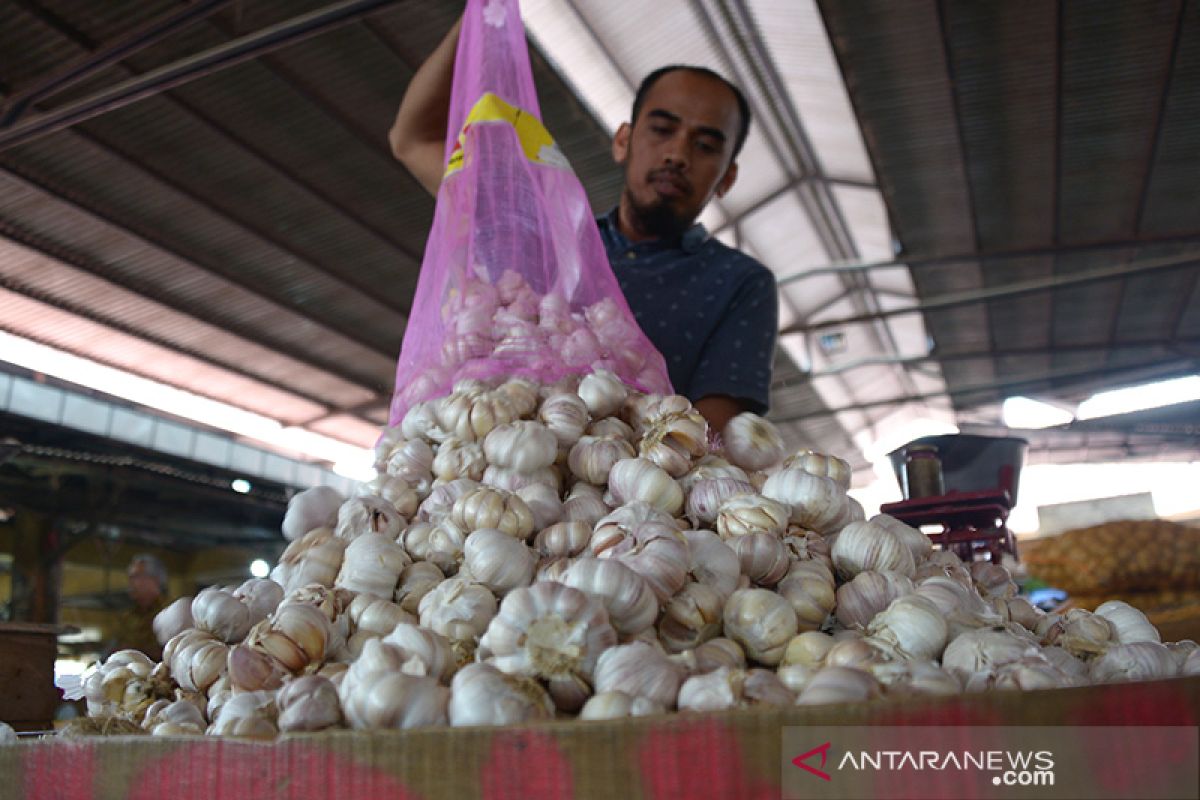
{"type": "Point", "coordinates": [85, 263]}
{"type": "Point", "coordinates": [188, 69]}
{"type": "Point", "coordinates": [956, 299]}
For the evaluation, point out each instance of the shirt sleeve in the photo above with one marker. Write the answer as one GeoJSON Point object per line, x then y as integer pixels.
{"type": "Point", "coordinates": [738, 356]}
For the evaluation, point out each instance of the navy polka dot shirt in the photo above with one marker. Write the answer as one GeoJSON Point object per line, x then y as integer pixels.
{"type": "Point", "coordinates": [712, 311]}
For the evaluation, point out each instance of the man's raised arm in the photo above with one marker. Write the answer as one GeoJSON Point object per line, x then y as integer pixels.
{"type": "Point", "coordinates": [418, 136]}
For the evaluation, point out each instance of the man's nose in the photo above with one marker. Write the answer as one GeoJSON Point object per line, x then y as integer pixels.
{"type": "Point", "coordinates": [675, 152]}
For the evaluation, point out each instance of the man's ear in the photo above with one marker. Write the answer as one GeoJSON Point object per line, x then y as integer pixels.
{"type": "Point", "coordinates": [620, 143]}
{"type": "Point", "coordinates": [726, 182]}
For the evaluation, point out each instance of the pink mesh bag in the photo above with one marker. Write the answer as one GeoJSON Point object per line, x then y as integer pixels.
{"type": "Point", "coordinates": [515, 281]}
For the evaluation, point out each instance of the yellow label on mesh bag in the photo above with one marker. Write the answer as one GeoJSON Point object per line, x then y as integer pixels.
{"type": "Point", "coordinates": [535, 140]}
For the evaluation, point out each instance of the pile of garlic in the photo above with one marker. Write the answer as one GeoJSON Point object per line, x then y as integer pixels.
{"type": "Point", "coordinates": [529, 551]}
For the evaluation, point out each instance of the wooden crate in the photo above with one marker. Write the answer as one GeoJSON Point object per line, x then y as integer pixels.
{"type": "Point", "coordinates": [28, 697]}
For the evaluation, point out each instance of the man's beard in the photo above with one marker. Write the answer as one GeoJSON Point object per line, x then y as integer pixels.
{"type": "Point", "coordinates": [657, 219]}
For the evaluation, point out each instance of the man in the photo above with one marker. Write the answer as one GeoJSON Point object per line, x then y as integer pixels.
{"type": "Point", "coordinates": [148, 590]}
{"type": "Point", "coordinates": [710, 310]}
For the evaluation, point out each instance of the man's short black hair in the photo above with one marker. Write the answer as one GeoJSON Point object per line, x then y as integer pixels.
{"type": "Point", "coordinates": [743, 106]}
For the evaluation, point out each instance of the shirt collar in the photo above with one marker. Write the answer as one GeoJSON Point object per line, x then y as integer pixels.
{"type": "Point", "coordinates": [690, 242]}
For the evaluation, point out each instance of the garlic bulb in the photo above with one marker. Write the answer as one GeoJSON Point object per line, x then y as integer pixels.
{"type": "Point", "coordinates": [582, 505]}
{"type": "Point", "coordinates": [394, 700]}
{"type": "Point", "coordinates": [375, 615]}
{"type": "Point", "coordinates": [752, 442]}
{"type": "Point", "coordinates": [762, 622]}
{"type": "Point", "coordinates": [673, 441]}
{"type": "Point", "coordinates": [368, 514]}
{"type": "Point", "coordinates": [1191, 665]}
{"type": "Point", "coordinates": [713, 562]}
{"type": "Point", "coordinates": [857, 653]}
{"type": "Point", "coordinates": [628, 599]}
{"type": "Point", "coordinates": [120, 683]}
{"type": "Point", "coordinates": [808, 648]}
{"type": "Point", "coordinates": [870, 592]}
{"type": "Point", "coordinates": [372, 565]}
{"type": "Point", "coordinates": [805, 545]}
{"type": "Point", "coordinates": [296, 636]}
{"type": "Point", "coordinates": [315, 557]}
{"type": "Point", "coordinates": [751, 513]}
{"type": "Point", "coordinates": [1082, 633]}
{"type": "Point", "coordinates": [552, 632]}
{"type": "Point", "coordinates": [611, 426]}
{"type": "Point", "coordinates": [617, 705]}
{"type": "Point", "coordinates": [717, 653]}
{"type": "Point", "coordinates": [422, 652]}
{"type": "Point", "coordinates": [691, 617]}
{"type": "Point", "coordinates": [441, 544]}
{"type": "Point", "coordinates": [565, 415]}
{"type": "Point", "coordinates": [1020, 611]}
{"type": "Point", "coordinates": [915, 677]}
{"type": "Point", "coordinates": [602, 392]}
{"type": "Point", "coordinates": [1138, 661]}
{"type": "Point", "coordinates": [486, 507]}
{"type": "Point", "coordinates": [480, 694]}
{"type": "Point", "coordinates": [249, 714]}
{"type": "Point", "coordinates": [195, 659]}
{"type": "Point", "coordinates": [839, 685]}
{"type": "Point", "coordinates": [511, 480]}
{"type": "Point", "coordinates": [470, 414]}
{"type": "Point", "coordinates": [1073, 668]}
{"type": "Point", "coordinates": [639, 480]}
{"type": "Point", "coordinates": [456, 459]}
{"type": "Point", "coordinates": [563, 539]}
{"type": "Point", "coordinates": [522, 394]}
{"type": "Point", "coordinates": [544, 504]}
{"type": "Point", "coordinates": [992, 580]}
{"type": "Point", "coordinates": [174, 718]}
{"type": "Point", "coordinates": [442, 498]}
{"type": "Point", "coordinates": [1024, 674]}
{"type": "Point", "coordinates": [412, 462]}
{"type": "Point", "coordinates": [416, 581]}
{"type": "Point", "coordinates": [460, 610]}
{"type": "Point", "coordinates": [838, 470]}
{"type": "Point", "coordinates": [173, 620]}
{"type": "Point", "coordinates": [810, 595]}
{"type": "Point", "coordinates": [866, 546]}
{"type": "Point", "coordinates": [217, 611]}
{"type": "Point", "coordinates": [524, 445]}
{"type": "Point", "coordinates": [592, 457]}
{"type": "Point", "coordinates": [712, 466]}
{"type": "Point", "coordinates": [983, 650]}
{"type": "Point", "coordinates": [917, 543]}
{"type": "Point", "coordinates": [397, 491]}
{"type": "Point", "coordinates": [1130, 624]}
{"type": "Point", "coordinates": [312, 508]}
{"type": "Point", "coordinates": [498, 561]}
{"type": "Point", "coordinates": [796, 676]}
{"type": "Point", "coordinates": [910, 628]}
{"type": "Point", "coordinates": [657, 552]}
{"type": "Point", "coordinates": [731, 688]}
{"type": "Point", "coordinates": [639, 669]}
{"type": "Point", "coordinates": [420, 422]}
{"type": "Point", "coordinates": [762, 557]}
{"type": "Point", "coordinates": [261, 595]}
{"type": "Point", "coordinates": [308, 703]}
{"type": "Point", "coordinates": [817, 503]}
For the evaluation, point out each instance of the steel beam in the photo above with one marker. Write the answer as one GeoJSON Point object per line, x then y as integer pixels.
{"type": "Point", "coordinates": [110, 53]}
{"type": "Point", "coordinates": [188, 69]}
{"type": "Point", "coordinates": [957, 299]}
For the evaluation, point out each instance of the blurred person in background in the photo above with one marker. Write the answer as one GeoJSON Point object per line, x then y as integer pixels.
{"type": "Point", "coordinates": [148, 590]}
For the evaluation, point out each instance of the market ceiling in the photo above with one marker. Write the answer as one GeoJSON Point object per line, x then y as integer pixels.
{"type": "Point", "coordinates": [201, 193]}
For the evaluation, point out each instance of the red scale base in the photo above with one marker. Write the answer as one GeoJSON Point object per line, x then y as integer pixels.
{"type": "Point", "coordinates": [973, 524]}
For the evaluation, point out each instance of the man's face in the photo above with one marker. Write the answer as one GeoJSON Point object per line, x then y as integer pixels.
{"type": "Point", "coordinates": [677, 154]}
{"type": "Point", "coordinates": [143, 589]}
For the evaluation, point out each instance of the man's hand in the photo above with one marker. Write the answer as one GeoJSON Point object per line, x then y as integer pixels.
{"type": "Point", "coordinates": [718, 409]}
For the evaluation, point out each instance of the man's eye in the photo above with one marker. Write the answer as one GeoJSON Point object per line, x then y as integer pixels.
{"type": "Point", "coordinates": [660, 130]}
{"type": "Point", "coordinates": [708, 147]}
